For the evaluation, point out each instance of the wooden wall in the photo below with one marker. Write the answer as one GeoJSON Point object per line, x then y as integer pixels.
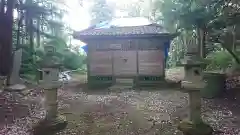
{"type": "Point", "coordinates": [126, 57]}
{"type": "Point", "coordinates": [100, 63]}
{"type": "Point", "coordinates": [151, 62]}
{"type": "Point", "coordinates": [124, 63]}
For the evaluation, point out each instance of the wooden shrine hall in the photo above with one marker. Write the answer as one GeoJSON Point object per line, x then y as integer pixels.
{"type": "Point", "coordinates": [119, 49]}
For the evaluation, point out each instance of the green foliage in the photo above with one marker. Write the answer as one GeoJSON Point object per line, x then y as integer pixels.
{"type": "Point", "coordinates": [73, 61]}
{"type": "Point", "coordinates": [101, 11]}
{"type": "Point", "coordinates": [212, 21]}
{"type": "Point", "coordinates": [39, 23]}
{"type": "Point", "coordinates": [176, 53]}
{"type": "Point", "coordinates": [179, 46]}
{"type": "Point", "coordinates": [219, 61]}
{"type": "Point", "coordinates": [168, 16]}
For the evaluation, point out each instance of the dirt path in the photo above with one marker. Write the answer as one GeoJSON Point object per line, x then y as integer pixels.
{"type": "Point", "coordinates": [127, 112]}
{"type": "Point", "coordinates": [140, 112]}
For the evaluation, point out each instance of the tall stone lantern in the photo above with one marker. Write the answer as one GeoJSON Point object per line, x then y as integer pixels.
{"type": "Point", "coordinates": [50, 83]}
{"type": "Point", "coordinates": [192, 84]}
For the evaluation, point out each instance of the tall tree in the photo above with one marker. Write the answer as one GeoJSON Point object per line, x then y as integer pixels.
{"type": "Point", "coordinates": [6, 25]}
{"type": "Point", "coordinates": [38, 22]}
{"type": "Point", "coordinates": [204, 17]}
{"type": "Point", "coordinates": [101, 11]}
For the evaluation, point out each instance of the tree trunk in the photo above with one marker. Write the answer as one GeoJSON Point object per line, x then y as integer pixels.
{"type": "Point", "coordinates": [38, 32]}
{"type": "Point", "coordinates": [23, 30]}
{"type": "Point", "coordinates": [18, 31]}
{"type": "Point", "coordinates": [31, 38]}
{"type": "Point", "coordinates": [6, 24]}
{"type": "Point", "coordinates": [29, 25]}
{"type": "Point", "coordinates": [198, 41]}
{"type": "Point", "coordinates": [202, 42]}
{"type": "Point", "coordinates": [234, 38]}
{"type": "Point", "coordinates": [3, 5]}
{"type": "Point", "coordinates": [235, 57]}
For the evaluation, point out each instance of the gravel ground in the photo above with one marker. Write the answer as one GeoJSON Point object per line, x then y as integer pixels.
{"type": "Point", "coordinates": [144, 112]}
{"type": "Point", "coordinates": [126, 112]}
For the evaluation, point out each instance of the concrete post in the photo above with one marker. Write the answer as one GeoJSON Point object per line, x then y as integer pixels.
{"type": "Point", "coordinates": [17, 60]}
{"type": "Point", "coordinates": [195, 106]}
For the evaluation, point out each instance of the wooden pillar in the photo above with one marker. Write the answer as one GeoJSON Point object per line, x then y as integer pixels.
{"type": "Point", "coordinates": [137, 62]}
{"type": "Point", "coordinates": [88, 65]}
{"type": "Point", "coordinates": [113, 74]}
{"type": "Point", "coordinates": [164, 63]}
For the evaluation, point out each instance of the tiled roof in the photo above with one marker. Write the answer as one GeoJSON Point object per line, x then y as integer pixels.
{"type": "Point", "coordinates": [122, 27]}
{"type": "Point", "coordinates": [121, 31]}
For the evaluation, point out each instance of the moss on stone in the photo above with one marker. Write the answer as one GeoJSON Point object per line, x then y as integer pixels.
{"type": "Point", "coordinates": [45, 127]}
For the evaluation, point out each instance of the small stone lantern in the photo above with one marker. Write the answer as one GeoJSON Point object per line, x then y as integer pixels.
{"type": "Point", "coordinates": [2, 82]}
{"type": "Point", "coordinates": [50, 83]}
{"type": "Point", "coordinates": [192, 84]}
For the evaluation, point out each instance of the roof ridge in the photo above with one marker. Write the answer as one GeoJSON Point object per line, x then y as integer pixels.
{"type": "Point", "coordinates": [152, 24]}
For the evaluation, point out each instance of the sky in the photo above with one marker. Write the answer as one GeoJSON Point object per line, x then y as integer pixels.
{"type": "Point", "coordinates": [78, 17]}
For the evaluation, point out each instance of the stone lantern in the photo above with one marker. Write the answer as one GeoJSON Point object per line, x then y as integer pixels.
{"type": "Point", "coordinates": [2, 82]}
{"type": "Point", "coordinates": [50, 83]}
{"type": "Point", "coordinates": [192, 84]}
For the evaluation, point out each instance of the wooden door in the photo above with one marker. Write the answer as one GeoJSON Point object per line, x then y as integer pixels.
{"type": "Point", "coordinates": [100, 63]}
{"type": "Point", "coordinates": [151, 62]}
{"type": "Point", "coordinates": [125, 63]}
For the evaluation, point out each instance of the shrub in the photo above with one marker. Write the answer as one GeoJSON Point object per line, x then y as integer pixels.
{"type": "Point", "coordinates": [218, 61]}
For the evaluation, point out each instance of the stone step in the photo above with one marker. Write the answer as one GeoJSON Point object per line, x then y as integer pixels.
{"type": "Point", "coordinates": [124, 81]}
{"type": "Point", "coordinates": [120, 87]}
{"type": "Point", "coordinates": [160, 84]}
{"type": "Point", "coordinates": [122, 84]}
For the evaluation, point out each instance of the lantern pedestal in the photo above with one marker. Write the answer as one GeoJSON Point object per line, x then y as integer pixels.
{"type": "Point", "coordinates": [52, 122]}
{"type": "Point", "coordinates": [50, 126]}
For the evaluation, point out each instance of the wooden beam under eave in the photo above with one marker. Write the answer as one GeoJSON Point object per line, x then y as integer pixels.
{"type": "Point", "coordinates": [86, 38]}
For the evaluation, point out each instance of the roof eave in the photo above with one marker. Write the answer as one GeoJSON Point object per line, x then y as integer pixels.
{"type": "Point", "coordinates": [169, 36]}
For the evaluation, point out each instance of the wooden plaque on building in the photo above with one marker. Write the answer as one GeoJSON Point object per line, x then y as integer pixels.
{"type": "Point", "coordinates": [115, 46]}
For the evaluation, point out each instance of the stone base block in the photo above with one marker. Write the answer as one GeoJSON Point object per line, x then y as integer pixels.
{"type": "Point", "coordinates": [193, 86]}
{"type": "Point", "coordinates": [190, 128]}
{"type": "Point", "coordinates": [50, 127]}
